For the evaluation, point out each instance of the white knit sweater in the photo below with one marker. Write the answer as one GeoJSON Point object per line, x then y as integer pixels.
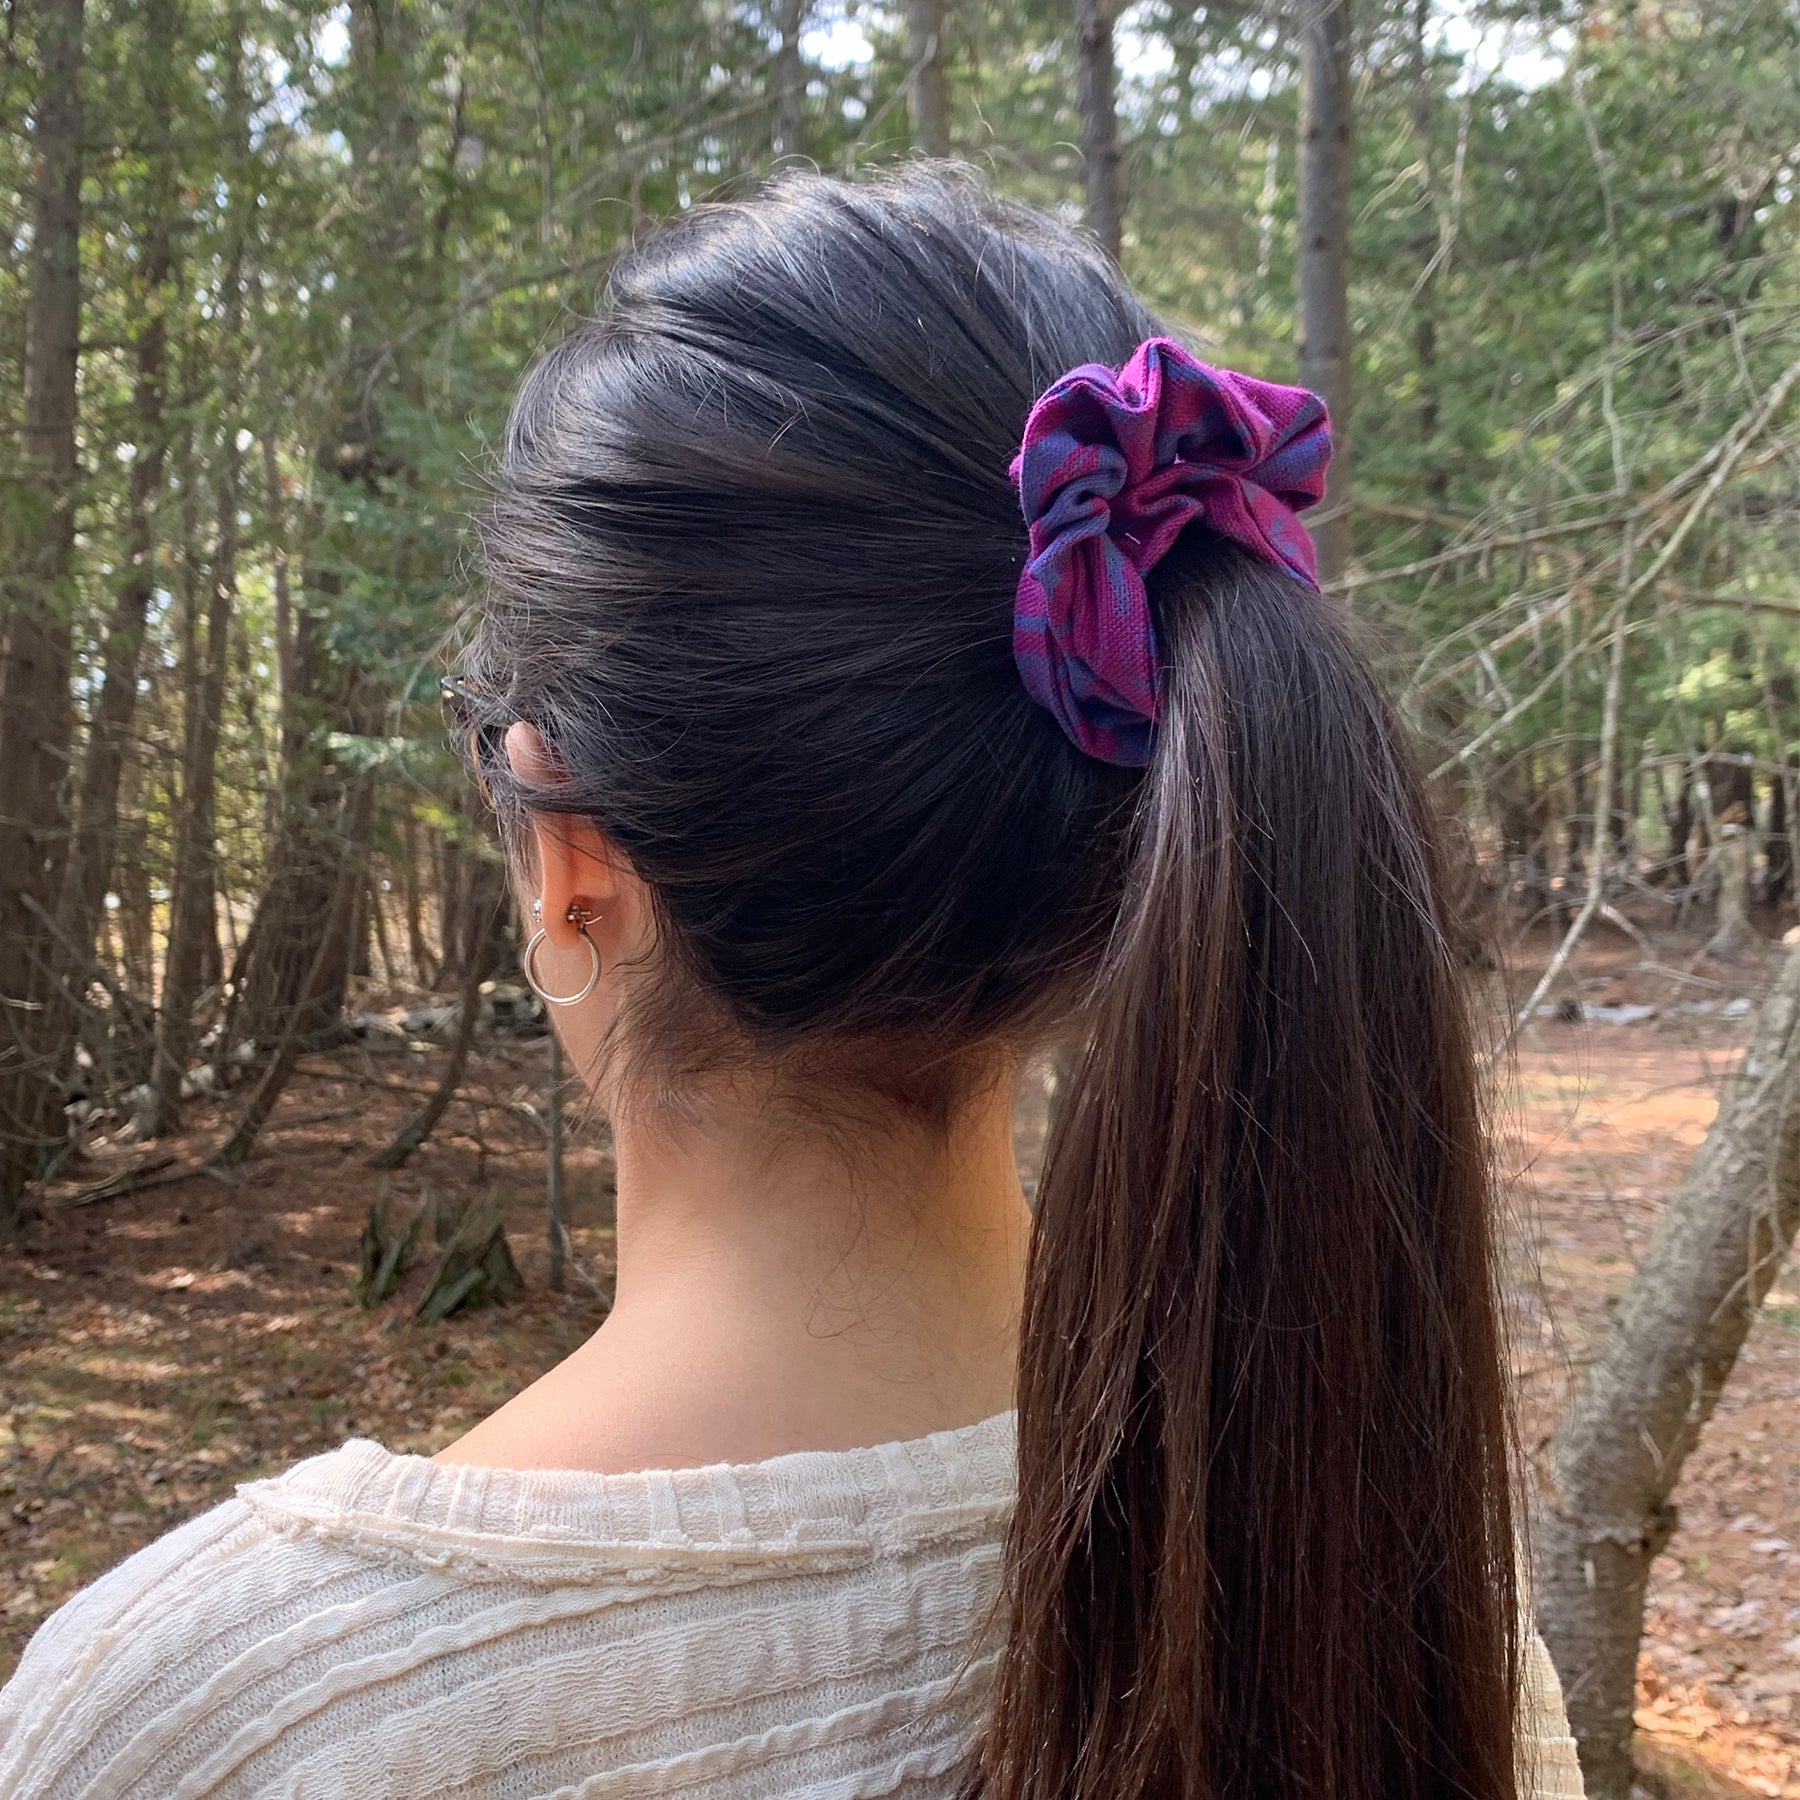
{"type": "Point", "coordinates": [378, 1625]}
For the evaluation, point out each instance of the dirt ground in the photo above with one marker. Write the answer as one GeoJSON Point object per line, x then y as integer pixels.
{"type": "Point", "coordinates": [1603, 1115]}
{"type": "Point", "coordinates": [159, 1346]}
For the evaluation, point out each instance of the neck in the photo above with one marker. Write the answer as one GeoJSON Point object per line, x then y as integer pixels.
{"type": "Point", "coordinates": [786, 1286]}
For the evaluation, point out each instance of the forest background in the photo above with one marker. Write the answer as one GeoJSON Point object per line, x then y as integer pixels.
{"type": "Point", "coordinates": [269, 272]}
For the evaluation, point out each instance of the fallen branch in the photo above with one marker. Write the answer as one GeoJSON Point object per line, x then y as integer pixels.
{"type": "Point", "coordinates": [157, 1171]}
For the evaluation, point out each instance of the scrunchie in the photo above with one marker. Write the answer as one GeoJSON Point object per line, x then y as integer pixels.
{"type": "Point", "coordinates": [1114, 465]}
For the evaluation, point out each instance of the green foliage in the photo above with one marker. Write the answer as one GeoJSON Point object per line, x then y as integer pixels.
{"type": "Point", "coordinates": [1565, 293]}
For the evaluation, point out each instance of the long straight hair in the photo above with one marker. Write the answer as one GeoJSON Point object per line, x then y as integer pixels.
{"type": "Point", "coordinates": [751, 568]}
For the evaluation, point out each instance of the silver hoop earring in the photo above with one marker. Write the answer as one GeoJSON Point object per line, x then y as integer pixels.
{"type": "Point", "coordinates": [527, 967]}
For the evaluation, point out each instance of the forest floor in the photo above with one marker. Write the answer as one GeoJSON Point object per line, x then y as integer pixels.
{"type": "Point", "coordinates": [1599, 1119]}
{"type": "Point", "coordinates": [158, 1346]}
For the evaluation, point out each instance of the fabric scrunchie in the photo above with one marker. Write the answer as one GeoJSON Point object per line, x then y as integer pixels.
{"type": "Point", "coordinates": [1115, 464]}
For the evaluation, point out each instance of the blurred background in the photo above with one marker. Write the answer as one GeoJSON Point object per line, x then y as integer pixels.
{"type": "Point", "coordinates": [275, 1108]}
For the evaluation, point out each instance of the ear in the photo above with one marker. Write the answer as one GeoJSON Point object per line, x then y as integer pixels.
{"type": "Point", "coordinates": [577, 866]}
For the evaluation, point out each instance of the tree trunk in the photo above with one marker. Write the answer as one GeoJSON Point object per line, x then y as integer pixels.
{"type": "Point", "coordinates": [1096, 98]}
{"type": "Point", "coordinates": [1778, 844]}
{"type": "Point", "coordinates": [450, 887]}
{"type": "Point", "coordinates": [96, 830]}
{"type": "Point", "coordinates": [275, 525]}
{"type": "Point", "coordinates": [193, 907]}
{"type": "Point", "coordinates": [1540, 853]}
{"type": "Point", "coordinates": [137, 913]}
{"type": "Point", "coordinates": [1576, 825]}
{"type": "Point", "coordinates": [790, 80]}
{"type": "Point", "coordinates": [37, 722]}
{"type": "Point", "coordinates": [359, 812]}
{"type": "Point", "coordinates": [1680, 821]}
{"type": "Point", "coordinates": [1619, 1450]}
{"type": "Point", "coordinates": [927, 91]}
{"type": "Point", "coordinates": [378, 919]}
{"type": "Point", "coordinates": [301, 875]}
{"type": "Point", "coordinates": [1326, 166]}
{"type": "Point", "coordinates": [481, 965]}
{"type": "Point", "coordinates": [1435, 485]}
{"type": "Point", "coordinates": [1733, 934]}
{"type": "Point", "coordinates": [361, 967]}
{"type": "Point", "coordinates": [416, 952]}
{"type": "Point", "coordinates": [1628, 799]}
{"type": "Point", "coordinates": [352, 458]}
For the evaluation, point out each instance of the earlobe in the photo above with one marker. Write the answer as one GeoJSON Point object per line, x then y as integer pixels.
{"type": "Point", "coordinates": [578, 917]}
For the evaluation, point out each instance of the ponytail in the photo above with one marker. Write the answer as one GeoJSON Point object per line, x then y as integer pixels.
{"type": "Point", "coordinates": [888, 754]}
{"type": "Point", "coordinates": [1263, 1542]}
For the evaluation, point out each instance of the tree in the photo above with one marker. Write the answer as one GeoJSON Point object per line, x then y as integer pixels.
{"type": "Point", "coordinates": [194, 902]}
{"type": "Point", "coordinates": [927, 90]}
{"type": "Point", "coordinates": [790, 80]}
{"type": "Point", "coordinates": [1096, 97]}
{"type": "Point", "coordinates": [297, 971]}
{"type": "Point", "coordinates": [96, 832]}
{"type": "Point", "coordinates": [37, 540]}
{"type": "Point", "coordinates": [1323, 313]}
{"type": "Point", "coordinates": [1619, 1450]}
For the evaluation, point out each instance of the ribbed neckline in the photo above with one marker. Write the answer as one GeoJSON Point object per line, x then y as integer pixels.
{"type": "Point", "coordinates": [820, 1506]}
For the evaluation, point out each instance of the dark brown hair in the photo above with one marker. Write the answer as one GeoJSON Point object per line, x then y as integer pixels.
{"type": "Point", "coordinates": [751, 573]}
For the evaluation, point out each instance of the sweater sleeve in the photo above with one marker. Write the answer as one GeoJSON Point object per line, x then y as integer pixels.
{"type": "Point", "coordinates": [74, 1697]}
{"type": "Point", "coordinates": [1546, 1750]}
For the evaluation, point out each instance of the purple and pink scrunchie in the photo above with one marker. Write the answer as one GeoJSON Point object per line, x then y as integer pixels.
{"type": "Point", "coordinates": [1115, 464]}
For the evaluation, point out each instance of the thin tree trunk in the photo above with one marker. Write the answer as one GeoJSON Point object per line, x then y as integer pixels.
{"type": "Point", "coordinates": [378, 918]}
{"type": "Point", "coordinates": [1778, 845]}
{"type": "Point", "coordinates": [193, 908]}
{"type": "Point", "coordinates": [361, 966]}
{"type": "Point", "coordinates": [1619, 1450]}
{"type": "Point", "coordinates": [790, 80]}
{"type": "Point", "coordinates": [275, 515]}
{"type": "Point", "coordinates": [1542, 857]}
{"type": "Point", "coordinates": [927, 91]}
{"type": "Point", "coordinates": [1326, 167]}
{"type": "Point", "coordinates": [275, 1077]}
{"type": "Point", "coordinates": [37, 722]}
{"type": "Point", "coordinates": [137, 931]}
{"type": "Point", "coordinates": [1680, 819]}
{"type": "Point", "coordinates": [415, 911]}
{"type": "Point", "coordinates": [1618, 815]}
{"type": "Point", "coordinates": [418, 1128]}
{"type": "Point", "coordinates": [1575, 820]}
{"type": "Point", "coordinates": [91, 860]}
{"type": "Point", "coordinates": [450, 861]}
{"type": "Point", "coordinates": [1096, 99]}
{"type": "Point", "coordinates": [352, 457]}
{"type": "Point", "coordinates": [1435, 484]}
{"type": "Point", "coordinates": [302, 870]}
{"type": "Point", "coordinates": [1733, 933]}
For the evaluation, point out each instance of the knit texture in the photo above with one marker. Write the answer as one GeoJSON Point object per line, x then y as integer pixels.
{"type": "Point", "coordinates": [377, 1625]}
